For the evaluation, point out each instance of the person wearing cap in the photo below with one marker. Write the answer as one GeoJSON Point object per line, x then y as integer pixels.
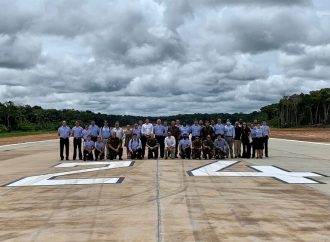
{"type": "Point", "coordinates": [64, 133]}
{"type": "Point", "coordinates": [77, 131]}
{"type": "Point", "coordinates": [197, 148]}
{"type": "Point", "coordinates": [195, 130]}
{"type": "Point", "coordinates": [208, 148]}
{"type": "Point", "coordinates": [146, 129]}
{"type": "Point", "coordinates": [160, 133]}
{"type": "Point", "coordinates": [115, 148]}
{"type": "Point", "coordinates": [170, 145]}
{"type": "Point", "coordinates": [135, 147]}
{"type": "Point", "coordinates": [185, 147]}
{"type": "Point", "coordinates": [152, 145]}
{"type": "Point", "coordinates": [266, 133]}
{"type": "Point", "coordinates": [94, 130]}
{"type": "Point", "coordinates": [105, 133]}
{"type": "Point", "coordinates": [220, 147]}
{"type": "Point", "coordinates": [89, 146]}
{"type": "Point", "coordinates": [99, 149]}
{"type": "Point", "coordinates": [229, 137]}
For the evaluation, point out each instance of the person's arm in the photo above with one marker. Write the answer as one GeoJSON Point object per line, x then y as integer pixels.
{"type": "Point", "coordinates": [111, 147]}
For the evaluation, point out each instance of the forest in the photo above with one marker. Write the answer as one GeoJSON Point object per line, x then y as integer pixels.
{"type": "Point", "coordinates": [297, 110]}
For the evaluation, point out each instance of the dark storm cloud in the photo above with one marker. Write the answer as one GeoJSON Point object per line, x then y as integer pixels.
{"type": "Point", "coordinates": [153, 57]}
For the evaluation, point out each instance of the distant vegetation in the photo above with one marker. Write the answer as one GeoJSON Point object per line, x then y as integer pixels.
{"type": "Point", "coordinates": [292, 111]}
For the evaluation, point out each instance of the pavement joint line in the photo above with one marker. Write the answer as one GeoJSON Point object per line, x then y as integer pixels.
{"type": "Point", "coordinates": [159, 224]}
{"type": "Point", "coordinates": [300, 141]}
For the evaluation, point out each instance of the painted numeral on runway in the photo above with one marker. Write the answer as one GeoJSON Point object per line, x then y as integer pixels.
{"type": "Point", "coordinates": [215, 169]}
{"type": "Point", "coordinates": [48, 179]}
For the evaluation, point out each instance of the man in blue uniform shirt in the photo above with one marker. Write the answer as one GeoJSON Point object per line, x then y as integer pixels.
{"type": "Point", "coordinates": [77, 133]}
{"type": "Point", "coordinates": [195, 130]}
{"type": "Point", "coordinates": [219, 128]}
{"type": "Point", "coordinates": [160, 134]}
{"type": "Point", "coordinates": [266, 132]}
{"type": "Point", "coordinates": [185, 147]}
{"type": "Point", "coordinates": [64, 134]}
{"type": "Point", "coordinates": [220, 147]}
{"type": "Point", "coordinates": [184, 130]}
{"type": "Point", "coordinates": [229, 136]}
{"type": "Point", "coordinates": [94, 130]}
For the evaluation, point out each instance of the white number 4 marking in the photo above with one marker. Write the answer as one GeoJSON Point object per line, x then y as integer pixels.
{"type": "Point", "coordinates": [48, 179]}
{"type": "Point", "coordinates": [214, 169]}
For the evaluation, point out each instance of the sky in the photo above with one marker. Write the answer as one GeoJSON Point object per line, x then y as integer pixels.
{"type": "Point", "coordinates": [162, 57]}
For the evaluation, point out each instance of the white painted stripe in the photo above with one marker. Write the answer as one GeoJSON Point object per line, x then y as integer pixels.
{"type": "Point", "coordinates": [27, 143]}
{"type": "Point", "coordinates": [300, 141]}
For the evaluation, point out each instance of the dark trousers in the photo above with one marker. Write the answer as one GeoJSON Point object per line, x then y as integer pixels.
{"type": "Point", "coordinates": [94, 138]}
{"type": "Point", "coordinates": [64, 142]}
{"type": "Point", "coordinates": [246, 150]}
{"type": "Point", "coordinates": [266, 138]}
{"type": "Point", "coordinates": [186, 153]}
{"type": "Point", "coordinates": [88, 155]}
{"type": "Point", "coordinates": [207, 153]}
{"type": "Point", "coordinates": [136, 154]}
{"type": "Point", "coordinates": [113, 154]}
{"type": "Point", "coordinates": [196, 153]}
{"type": "Point", "coordinates": [254, 143]}
{"type": "Point", "coordinates": [152, 153]}
{"type": "Point", "coordinates": [160, 140]}
{"type": "Point", "coordinates": [98, 154]}
{"type": "Point", "coordinates": [143, 142]}
{"type": "Point", "coordinates": [176, 147]}
{"type": "Point", "coordinates": [77, 145]}
{"type": "Point", "coordinates": [220, 154]}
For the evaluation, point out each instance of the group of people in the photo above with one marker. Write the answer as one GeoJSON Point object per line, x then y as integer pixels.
{"type": "Point", "coordinates": [202, 139]}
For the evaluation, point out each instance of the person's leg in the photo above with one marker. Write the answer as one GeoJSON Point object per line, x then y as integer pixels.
{"type": "Point", "coordinates": [61, 148]}
{"type": "Point", "coordinates": [85, 155]}
{"type": "Point", "coordinates": [90, 156]}
{"type": "Point", "coordinates": [79, 149]}
{"type": "Point", "coordinates": [266, 145]}
{"type": "Point", "coordinates": [236, 148]}
{"type": "Point", "coordinates": [75, 146]}
{"type": "Point", "coordinates": [182, 154]}
{"type": "Point", "coordinates": [120, 153]}
{"type": "Point", "coordinates": [143, 141]}
{"type": "Point", "coordinates": [66, 143]}
{"type": "Point", "coordinates": [188, 153]}
{"type": "Point", "coordinates": [96, 153]}
{"type": "Point", "coordinates": [176, 147]}
{"type": "Point", "coordinates": [173, 153]}
{"type": "Point", "coordinates": [254, 141]}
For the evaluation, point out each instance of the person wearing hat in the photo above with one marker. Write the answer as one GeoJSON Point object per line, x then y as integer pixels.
{"type": "Point", "coordinates": [220, 147]}
{"type": "Point", "coordinates": [152, 145]}
{"type": "Point", "coordinates": [170, 145]}
{"type": "Point", "coordinates": [208, 148]}
{"type": "Point", "coordinates": [89, 146]}
{"type": "Point", "coordinates": [135, 147]}
{"type": "Point", "coordinates": [64, 134]}
{"type": "Point", "coordinates": [185, 147]}
{"type": "Point", "coordinates": [99, 149]}
{"type": "Point", "coordinates": [197, 148]}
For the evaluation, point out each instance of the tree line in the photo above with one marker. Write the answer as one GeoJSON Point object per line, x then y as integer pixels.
{"type": "Point", "coordinates": [291, 111]}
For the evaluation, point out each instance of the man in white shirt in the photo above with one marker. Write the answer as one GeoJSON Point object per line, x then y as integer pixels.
{"type": "Point", "coordinates": [118, 130]}
{"type": "Point", "coordinates": [170, 145]}
{"type": "Point", "coordinates": [146, 130]}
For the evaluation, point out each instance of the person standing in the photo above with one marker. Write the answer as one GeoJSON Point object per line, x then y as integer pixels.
{"type": "Point", "coordinates": [253, 137]}
{"type": "Point", "coordinates": [160, 133]}
{"type": "Point", "coordinates": [146, 130]}
{"type": "Point", "coordinates": [219, 128]}
{"type": "Point", "coordinates": [85, 132]}
{"type": "Point", "coordinates": [185, 147]}
{"type": "Point", "coordinates": [77, 133]}
{"type": "Point", "coordinates": [137, 130]}
{"type": "Point", "coordinates": [246, 136]}
{"type": "Point", "coordinates": [266, 133]}
{"type": "Point", "coordinates": [152, 145]}
{"type": "Point", "coordinates": [94, 130]}
{"type": "Point", "coordinates": [207, 130]}
{"type": "Point", "coordinates": [184, 130]}
{"type": "Point", "coordinates": [99, 149]}
{"type": "Point", "coordinates": [64, 134]}
{"type": "Point", "coordinates": [135, 147]}
{"type": "Point", "coordinates": [259, 141]}
{"type": "Point", "coordinates": [195, 130]}
{"type": "Point", "coordinates": [175, 132]}
{"type": "Point", "coordinates": [237, 139]}
{"type": "Point", "coordinates": [105, 133]}
{"type": "Point", "coordinates": [170, 145]}
{"type": "Point", "coordinates": [128, 134]}
{"type": "Point", "coordinates": [229, 136]}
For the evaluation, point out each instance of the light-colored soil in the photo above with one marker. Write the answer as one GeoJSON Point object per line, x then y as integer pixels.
{"type": "Point", "coordinates": [27, 138]}
{"type": "Point", "coordinates": [304, 134]}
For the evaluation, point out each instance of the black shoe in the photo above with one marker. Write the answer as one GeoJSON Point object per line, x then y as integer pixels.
{"type": "Point", "coordinates": [62, 158]}
{"type": "Point", "coordinates": [67, 158]}
{"type": "Point", "coordinates": [73, 158]}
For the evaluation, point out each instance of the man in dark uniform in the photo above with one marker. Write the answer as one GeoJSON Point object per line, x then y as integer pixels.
{"type": "Point", "coordinates": [115, 147]}
{"type": "Point", "coordinates": [207, 130]}
{"type": "Point", "coordinates": [208, 147]}
{"type": "Point", "coordinates": [152, 145]}
{"type": "Point", "coordinates": [197, 148]}
{"type": "Point", "coordinates": [175, 131]}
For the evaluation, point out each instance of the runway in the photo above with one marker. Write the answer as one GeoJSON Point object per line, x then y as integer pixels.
{"type": "Point", "coordinates": [162, 200]}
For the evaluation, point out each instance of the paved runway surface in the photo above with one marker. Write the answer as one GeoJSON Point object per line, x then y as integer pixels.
{"type": "Point", "coordinates": [159, 201]}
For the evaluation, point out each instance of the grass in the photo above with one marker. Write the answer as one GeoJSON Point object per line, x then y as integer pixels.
{"type": "Point", "coordinates": [24, 133]}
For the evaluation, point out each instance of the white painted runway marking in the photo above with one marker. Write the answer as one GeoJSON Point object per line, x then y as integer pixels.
{"type": "Point", "coordinates": [48, 179]}
{"type": "Point", "coordinates": [213, 169]}
{"type": "Point", "coordinates": [300, 141]}
{"type": "Point", "coordinates": [28, 143]}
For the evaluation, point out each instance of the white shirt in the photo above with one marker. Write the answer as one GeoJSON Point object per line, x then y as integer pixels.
{"type": "Point", "coordinates": [147, 129]}
{"type": "Point", "coordinates": [169, 141]}
{"type": "Point", "coordinates": [119, 132]}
